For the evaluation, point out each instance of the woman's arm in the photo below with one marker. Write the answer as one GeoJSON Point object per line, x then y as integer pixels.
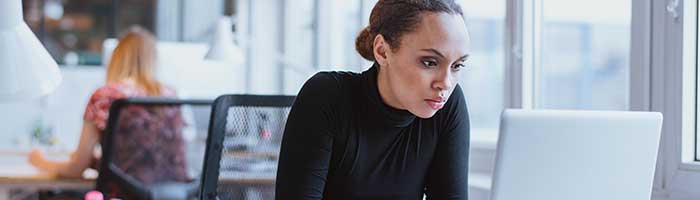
{"type": "Point", "coordinates": [80, 158]}
{"type": "Point", "coordinates": [448, 175]}
{"type": "Point", "coordinates": [306, 145]}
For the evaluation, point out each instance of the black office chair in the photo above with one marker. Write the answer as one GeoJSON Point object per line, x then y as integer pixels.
{"type": "Point", "coordinates": [245, 137]}
{"type": "Point", "coordinates": [153, 148]}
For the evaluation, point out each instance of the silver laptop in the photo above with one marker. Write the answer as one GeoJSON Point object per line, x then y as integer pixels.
{"type": "Point", "coordinates": [576, 155]}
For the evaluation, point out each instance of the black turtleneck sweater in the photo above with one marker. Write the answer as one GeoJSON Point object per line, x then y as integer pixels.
{"type": "Point", "coordinates": [342, 141]}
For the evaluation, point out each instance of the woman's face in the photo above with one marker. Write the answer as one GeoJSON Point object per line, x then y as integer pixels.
{"type": "Point", "coordinates": [421, 74]}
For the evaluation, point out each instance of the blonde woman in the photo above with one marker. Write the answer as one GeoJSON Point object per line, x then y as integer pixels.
{"type": "Point", "coordinates": [130, 73]}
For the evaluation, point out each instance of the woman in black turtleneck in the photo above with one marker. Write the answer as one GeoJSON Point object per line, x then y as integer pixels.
{"type": "Point", "coordinates": [396, 131]}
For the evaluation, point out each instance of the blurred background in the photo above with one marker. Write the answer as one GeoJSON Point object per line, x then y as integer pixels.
{"type": "Point", "coordinates": [584, 52]}
{"type": "Point", "coordinates": [581, 60]}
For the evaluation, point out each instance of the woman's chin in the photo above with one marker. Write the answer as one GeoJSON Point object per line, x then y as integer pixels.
{"type": "Point", "coordinates": [424, 113]}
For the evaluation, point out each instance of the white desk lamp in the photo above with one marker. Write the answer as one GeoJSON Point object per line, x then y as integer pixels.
{"type": "Point", "coordinates": [26, 69]}
{"type": "Point", "coordinates": [222, 47]}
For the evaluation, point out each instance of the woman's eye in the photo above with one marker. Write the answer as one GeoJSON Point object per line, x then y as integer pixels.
{"type": "Point", "coordinates": [458, 67]}
{"type": "Point", "coordinates": [429, 63]}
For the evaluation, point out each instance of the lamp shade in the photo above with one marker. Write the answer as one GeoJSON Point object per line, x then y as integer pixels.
{"type": "Point", "coordinates": [26, 69]}
{"type": "Point", "coordinates": [222, 47]}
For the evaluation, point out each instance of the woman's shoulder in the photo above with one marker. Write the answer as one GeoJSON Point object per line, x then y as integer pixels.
{"type": "Point", "coordinates": [328, 85]}
{"type": "Point", "coordinates": [457, 100]}
{"type": "Point", "coordinates": [456, 106]}
{"type": "Point", "coordinates": [330, 81]}
{"type": "Point", "coordinates": [168, 91]}
{"type": "Point", "coordinates": [337, 77]}
{"type": "Point", "coordinates": [124, 90]}
{"type": "Point", "coordinates": [114, 90]}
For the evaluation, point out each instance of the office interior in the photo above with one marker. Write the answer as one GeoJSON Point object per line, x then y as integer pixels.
{"type": "Point", "coordinates": [595, 55]}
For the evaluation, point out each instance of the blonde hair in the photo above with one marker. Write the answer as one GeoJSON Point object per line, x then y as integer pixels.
{"type": "Point", "coordinates": [135, 58]}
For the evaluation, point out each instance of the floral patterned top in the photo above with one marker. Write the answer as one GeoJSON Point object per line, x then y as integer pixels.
{"type": "Point", "coordinates": [151, 148]}
{"type": "Point", "coordinates": [97, 109]}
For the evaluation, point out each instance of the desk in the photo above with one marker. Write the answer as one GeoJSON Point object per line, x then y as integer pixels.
{"type": "Point", "coordinates": [248, 168]}
{"type": "Point", "coordinates": [16, 173]}
{"type": "Point", "coordinates": [250, 179]}
{"type": "Point", "coordinates": [246, 185]}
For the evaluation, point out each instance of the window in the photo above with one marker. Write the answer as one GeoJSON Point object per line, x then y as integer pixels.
{"type": "Point", "coordinates": [690, 109]}
{"type": "Point", "coordinates": [483, 79]}
{"type": "Point", "coordinates": [675, 93]}
{"type": "Point", "coordinates": [312, 24]}
{"type": "Point", "coordinates": [300, 48]}
{"type": "Point", "coordinates": [340, 22]}
{"type": "Point", "coordinates": [584, 55]}
{"type": "Point", "coordinates": [73, 30]}
{"type": "Point", "coordinates": [320, 35]}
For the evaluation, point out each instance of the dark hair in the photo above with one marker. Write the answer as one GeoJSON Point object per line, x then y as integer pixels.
{"type": "Point", "coordinates": [393, 18]}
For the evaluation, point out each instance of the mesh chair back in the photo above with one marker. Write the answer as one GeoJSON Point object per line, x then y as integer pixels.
{"type": "Point", "coordinates": [246, 135]}
{"type": "Point", "coordinates": [153, 148]}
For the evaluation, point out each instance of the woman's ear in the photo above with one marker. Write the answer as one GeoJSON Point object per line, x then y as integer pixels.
{"type": "Point", "coordinates": [380, 50]}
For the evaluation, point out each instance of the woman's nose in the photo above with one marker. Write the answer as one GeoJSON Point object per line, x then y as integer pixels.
{"type": "Point", "coordinates": [443, 81]}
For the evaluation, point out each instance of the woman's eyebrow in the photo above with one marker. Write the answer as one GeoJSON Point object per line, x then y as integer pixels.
{"type": "Point", "coordinates": [464, 57]}
{"type": "Point", "coordinates": [436, 52]}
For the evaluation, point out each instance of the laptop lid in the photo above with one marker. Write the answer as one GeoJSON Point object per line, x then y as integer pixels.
{"type": "Point", "coordinates": [554, 155]}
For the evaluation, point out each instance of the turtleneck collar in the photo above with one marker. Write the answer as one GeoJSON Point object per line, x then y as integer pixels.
{"type": "Point", "coordinates": [378, 110]}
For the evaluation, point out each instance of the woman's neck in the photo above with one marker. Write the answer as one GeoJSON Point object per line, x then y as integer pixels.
{"type": "Point", "coordinates": [130, 81]}
{"type": "Point", "coordinates": [125, 81]}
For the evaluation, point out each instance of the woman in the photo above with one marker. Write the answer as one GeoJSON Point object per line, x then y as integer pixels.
{"type": "Point", "coordinates": [130, 73]}
{"type": "Point", "coordinates": [396, 131]}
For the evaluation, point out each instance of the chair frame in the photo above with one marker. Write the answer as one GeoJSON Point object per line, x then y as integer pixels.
{"type": "Point", "coordinates": [107, 169]}
{"type": "Point", "coordinates": [217, 130]}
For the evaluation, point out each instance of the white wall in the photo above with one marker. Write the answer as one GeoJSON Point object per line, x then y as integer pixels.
{"type": "Point", "coordinates": [181, 66]}
{"type": "Point", "coordinates": [62, 110]}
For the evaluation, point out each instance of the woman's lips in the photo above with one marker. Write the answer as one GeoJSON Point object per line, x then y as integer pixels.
{"type": "Point", "coordinates": [434, 103]}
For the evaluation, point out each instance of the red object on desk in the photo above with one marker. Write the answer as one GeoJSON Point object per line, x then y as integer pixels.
{"type": "Point", "coordinates": [94, 195]}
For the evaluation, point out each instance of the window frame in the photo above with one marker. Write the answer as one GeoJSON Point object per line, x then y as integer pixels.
{"type": "Point", "coordinates": [690, 87]}
{"type": "Point", "coordinates": [694, 64]}
{"type": "Point", "coordinates": [523, 51]}
{"type": "Point", "coordinates": [697, 86]}
{"type": "Point", "coordinates": [671, 80]}
{"type": "Point", "coordinates": [658, 70]}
